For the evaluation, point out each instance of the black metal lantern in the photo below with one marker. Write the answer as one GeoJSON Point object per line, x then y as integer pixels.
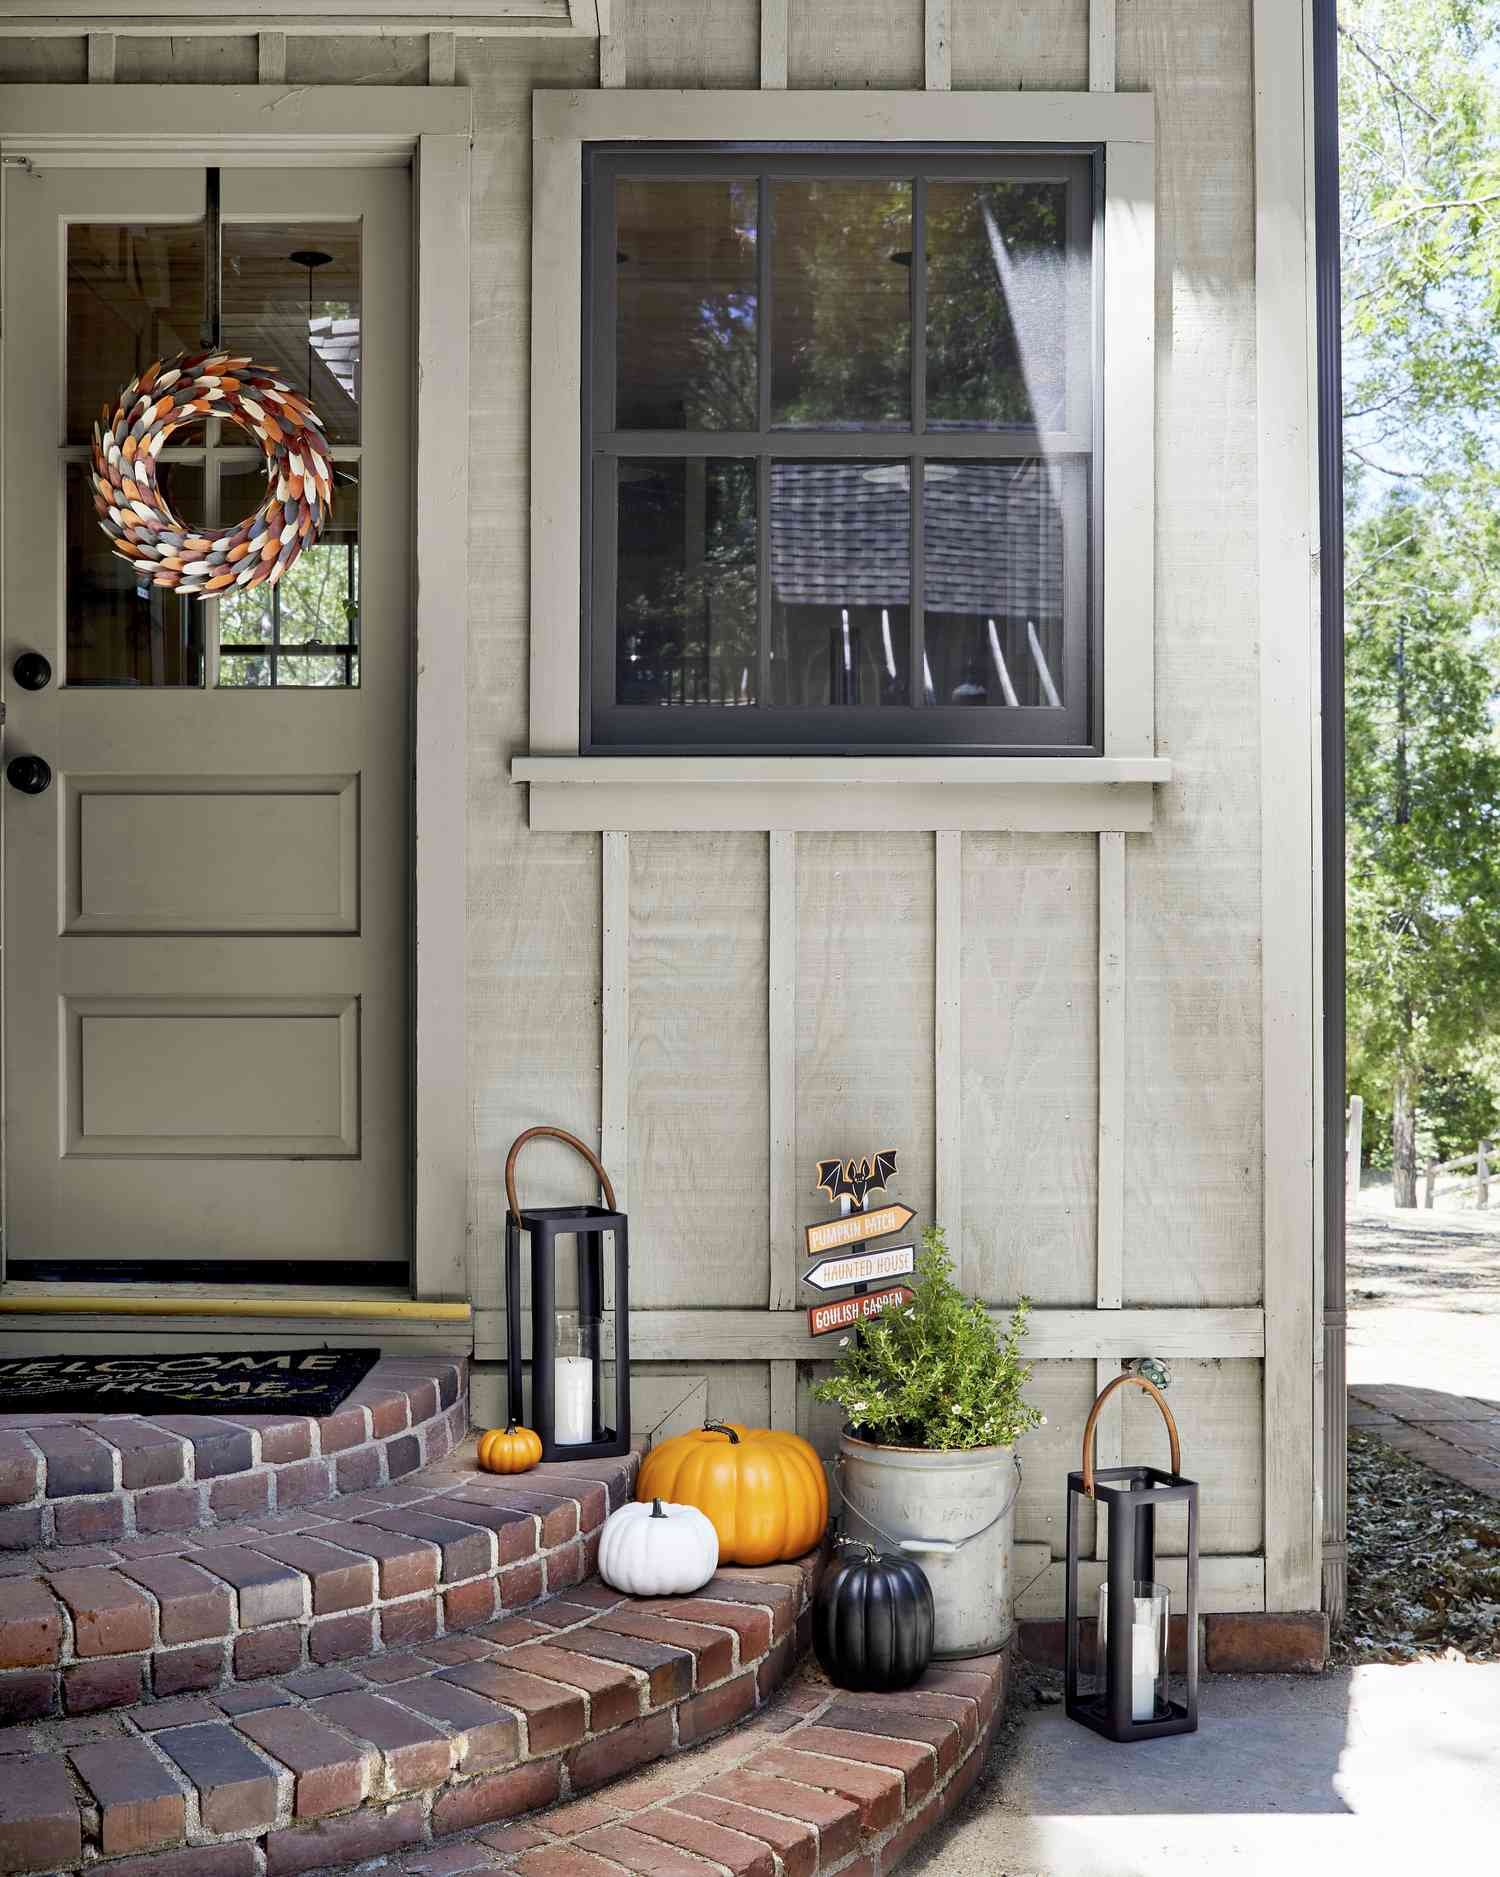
{"type": "Point", "coordinates": [1117, 1674]}
{"type": "Point", "coordinates": [567, 1394]}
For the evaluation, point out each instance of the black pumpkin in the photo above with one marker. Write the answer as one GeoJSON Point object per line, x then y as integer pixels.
{"type": "Point", "coordinates": [873, 1620]}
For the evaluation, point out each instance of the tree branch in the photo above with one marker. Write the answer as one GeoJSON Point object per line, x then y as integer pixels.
{"type": "Point", "coordinates": [1375, 65]}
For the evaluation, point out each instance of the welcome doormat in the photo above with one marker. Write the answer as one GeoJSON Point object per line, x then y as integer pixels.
{"type": "Point", "coordinates": [308, 1382]}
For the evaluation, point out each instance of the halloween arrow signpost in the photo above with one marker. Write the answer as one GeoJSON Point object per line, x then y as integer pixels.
{"type": "Point", "coordinates": [848, 1183]}
{"type": "Point", "coordinates": [823, 1318]}
{"type": "Point", "coordinates": [862, 1267]}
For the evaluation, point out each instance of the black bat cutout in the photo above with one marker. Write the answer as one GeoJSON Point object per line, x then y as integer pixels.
{"type": "Point", "coordinates": [855, 1178]}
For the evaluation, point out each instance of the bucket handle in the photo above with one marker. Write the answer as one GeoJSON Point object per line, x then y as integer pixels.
{"type": "Point", "coordinates": [568, 1140]}
{"type": "Point", "coordinates": [1090, 1426]}
{"type": "Point", "coordinates": [932, 1547]}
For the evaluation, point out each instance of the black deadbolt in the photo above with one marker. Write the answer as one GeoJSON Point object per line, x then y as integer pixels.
{"type": "Point", "coordinates": [33, 671]}
{"type": "Point", "coordinates": [30, 774]}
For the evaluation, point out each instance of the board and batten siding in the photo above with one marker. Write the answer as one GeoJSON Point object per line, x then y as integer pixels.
{"type": "Point", "coordinates": [1061, 1032]}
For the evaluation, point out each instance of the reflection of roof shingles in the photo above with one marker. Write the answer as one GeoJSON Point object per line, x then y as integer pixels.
{"type": "Point", "coordinates": [992, 537]}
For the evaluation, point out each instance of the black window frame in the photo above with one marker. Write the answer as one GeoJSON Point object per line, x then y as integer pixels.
{"type": "Point", "coordinates": [916, 728]}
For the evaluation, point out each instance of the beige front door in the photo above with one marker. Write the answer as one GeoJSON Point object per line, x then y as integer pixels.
{"type": "Point", "coordinates": [205, 909]}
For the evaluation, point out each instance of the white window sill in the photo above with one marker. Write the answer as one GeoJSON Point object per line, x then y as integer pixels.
{"type": "Point", "coordinates": [630, 794]}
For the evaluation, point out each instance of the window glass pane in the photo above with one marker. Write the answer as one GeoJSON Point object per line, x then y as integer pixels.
{"type": "Point", "coordinates": [237, 672]}
{"type": "Point", "coordinates": [685, 626]}
{"type": "Point", "coordinates": [292, 300]}
{"type": "Point", "coordinates": [840, 583]}
{"type": "Point", "coordinates": [314, 607]}
{"type": "Point", "coordinates": [841, 305]}
{"type": "Point", "coordinates": [135, 293]}
{"type": "Point", "coordinates": [998, 314]}
{"type": "Point", "coordinates": [116, 635]}
{"type": "Point", "coordinates": [686, 292]}
{"type": "Point", "coordinates": [993, 582]}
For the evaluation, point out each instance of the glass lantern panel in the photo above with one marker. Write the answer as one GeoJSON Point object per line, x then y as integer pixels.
{"type": "Point", "coordinates": [1148, 1648]}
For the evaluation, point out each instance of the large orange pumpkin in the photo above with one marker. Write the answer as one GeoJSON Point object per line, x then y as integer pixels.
{"type": "Point", "coordinates": [764, 1492]}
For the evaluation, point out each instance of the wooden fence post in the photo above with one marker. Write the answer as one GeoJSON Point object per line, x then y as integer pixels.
{"type": "Point", "coordinates": [1432, 1173]}
{"type": "Point", "coordinates": [1482, 1170]}
{"type": "Point", "coordinates": [1354, 1149]}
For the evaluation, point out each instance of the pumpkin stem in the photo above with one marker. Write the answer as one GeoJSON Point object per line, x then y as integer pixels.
{"type": "Point", "coordinates": [656, 1511]}
{"type": "Point", "coordinates": [510, 1427]}
{"type": "Point", "coordinates": [718, 1427]}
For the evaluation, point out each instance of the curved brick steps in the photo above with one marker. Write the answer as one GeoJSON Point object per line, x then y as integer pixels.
{"type": "Point", "coordinates": [87, 1628]}
{"type": "Point", "coordinates": [68, 1479]}
{"type": "Point", "coordinates": [328, 1766]}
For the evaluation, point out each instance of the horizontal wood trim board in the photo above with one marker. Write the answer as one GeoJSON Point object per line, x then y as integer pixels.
{"type": "Point", "coordinates": [82, 1336]}
{"type": "Point", "coordinates": [683, 806]}
{"type": "Point", "coordinates": [1071, 772]}
{"type": "Point", "coordinates": [320, 24]}
{"type": "Point", "coordinates": [1229, 1583]}
{"type": "Point", "coordinates": [781, 1335]}
{"type": "Point", "coordinates": [337, 119]}
{"type": "Point", "coordinates": [290, 1309]}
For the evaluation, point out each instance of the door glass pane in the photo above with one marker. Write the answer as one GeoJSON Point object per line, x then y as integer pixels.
{"type": "Point", "coordinates": [117, 635]}
{"type": "Point", "coordinates": [685, 627]}
{"type": "Point", "coordinates": [993, 585]}
{"type": "Point", "coordinates": [292, 300]}
{"type": "Point", "coordinates": [686, 315]}
{"type": "Point", "coordinates": [304, 631]}
{"type": "Point", "coordinates": [841, 305]}
{"type": "Point", "coordinates": [135, 294]}
{"type": "Point", "coordinates": [840, 583]}
{"type": "Point", "coordinates": [998, 314]}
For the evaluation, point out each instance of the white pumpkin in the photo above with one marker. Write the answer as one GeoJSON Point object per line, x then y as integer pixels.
{"type": "Point", "coordinates": [657, 1550]}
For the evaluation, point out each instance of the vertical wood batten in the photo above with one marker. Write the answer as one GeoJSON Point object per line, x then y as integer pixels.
{"type": "Point", "coordinates": [442, 623]}
{"type": "Point", "coordinates": [442, 58]}
{"type": "Point", "coordinates": [773, 36]}
{"type": "Point", "coordinates": [611, 48]}
{"type": "Point", "coordinates": [1111, 1197]}
{"type": "Point", "coordinates": [939, 47]}
{"type": "Point", "coordinates": [781, 1031]}
{"type": "Point", "coordinates": [614, 1014]}
{"type": "Point", "coordinates": [270, 58]}
{"type": "Point", "coordinates": [784, 1396]}
{"type": "Point", "coordinates": [1101, 45]}
{"type": "Point", "coordinates": [948, 1045]}
{"type": "Point", "coordinates": [101, 58]}
{"type": "Point", "coordinates": [1284, 377]}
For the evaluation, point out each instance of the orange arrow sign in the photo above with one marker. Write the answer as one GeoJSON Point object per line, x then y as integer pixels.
{"type": "Point", "coordinates": [824, 1318]}
{"type": "Point", "coordinates": [833, 1234]}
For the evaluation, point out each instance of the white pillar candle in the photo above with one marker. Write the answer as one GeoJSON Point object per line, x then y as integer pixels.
{"type": "Point", "coordinates": [1143, 1662]}
{"type": "Point", "coordinates": [573, 1400]}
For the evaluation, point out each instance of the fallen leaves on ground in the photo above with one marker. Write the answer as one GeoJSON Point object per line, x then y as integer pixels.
{"type": "Point", "coordinates": [1424, 1564]}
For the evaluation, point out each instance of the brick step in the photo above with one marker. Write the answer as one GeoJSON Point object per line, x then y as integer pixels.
{"type": "Point", "coordinates": [87, 1628]}
{"type": "Point", "coordinates": [70, 1479]}
{"type": "Point", "coordinates": [326, 1765]}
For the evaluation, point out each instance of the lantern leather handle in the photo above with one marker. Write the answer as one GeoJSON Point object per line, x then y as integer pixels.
{"type": "Point", "coordinates": [568, 1140]}
{"type": "Point", "coordinates": [1090, 1426]}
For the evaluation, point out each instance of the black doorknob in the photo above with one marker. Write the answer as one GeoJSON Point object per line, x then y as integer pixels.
{"type": "Point", "coordinates": [33, 671]}
{"type": "Point", "coordinates": [30, 774]}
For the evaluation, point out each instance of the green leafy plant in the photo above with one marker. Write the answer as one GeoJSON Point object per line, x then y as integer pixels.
{"type": "Point", "coordinates": [937, 1373]}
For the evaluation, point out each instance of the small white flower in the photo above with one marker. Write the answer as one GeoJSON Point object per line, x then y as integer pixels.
{"type": "Point", "coordinates": [1044, 1420]}
{"type": "Point", "coordinates": [843, 1342]}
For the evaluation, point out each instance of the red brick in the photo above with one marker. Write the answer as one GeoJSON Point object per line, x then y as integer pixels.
{"type": "Point", "coordinates": [1266, 1642]}
{"type": "Point", "coordinates": [562, 1860]}
{"type": "Point", "coordinates": [28, 1695]}
{"type": "Point", "coordinates": [917, 1764]}
{"type": "Point", "coordinates": [555, 1513]}
{"type": "Point", "coordinates": [468, 1550]}
{"type": "Point", "coordinates": [751, 1625]}
{"type": "Point", "coordinates": [566, 1566]}
{"type": "Point", "coordinates": [452, 1860]}
{"type": "Point", "coordinates": [468, 1605]}
{"type": "Point", "coordinates": [76, 1462]}
{"type": "Point", "coordinates": [637, 1743]}
{"type": "Point", "coordinates": [305, 1482]}
{"type": "Point", "coordinates": [614, 1692]}
{"type": "Point", "coordinates": [510, 1839]}
{"type": "Point", "coordinates": [488, 1735]}
{"type": "Point", "coordinates": [365, 1834]}
{"type": "Point", "coordinates": [451, 1651]}
{"type": "Point", "coordinates": [566, 1821]}
{"type": "Point", "coordinates": [794, 1841]}
{"type": "Point", "coordinates": [515, 1529]}
{"type": "Point", "coordinates": [555, 1716]}
{"type": "Point", "coordinates": [182, 1712]}
{"type": "Point", "coordinates": [21, 1529]}
{"type": "Point", "coordinates": [875, 1790]}
{"type": "Point", "coordinates": [341, 1638]}
{"type": "Point", "coordinates": [148, 1456]}
{"type": "Point", "coordinates": [139, 1804]}
{"type": "Point", "coordinates": [268, 1592]}
{"type": "Point", "coordinates": [721, 1707]}
{"type": "Point", "coordinates": [358, 1469]}
{"type": "Point", "coordinates": [240, 1495]}
{"type": "Point", "coordinates": [712, 1649]}
{"type": "Point", "coordinates": [193, 1606]}
{"type": "Point", "coordinates": [778, 1599]}
{"type": "Point", "coordinates": [901, 1840]}
{"type": "Point", "coordinates": [236, 1788]}
{"type": "Point", "coordinates": [110, 1615]}
{"type": "Point", "coordinates": [837, 1820]}
{"type": "Point", "coordinates": [31, 1624]}
{"type": "Point", "coordinates": [346, 1428]}
{"type": "Point", "coordinates": [884, 1715]}
{"type": "Point", "coordinates": [331, 1773]}
{"type": "Point", "coordinates": [746, 1857]}
{"type": "Point", "coordinates": [168, 1509]}
{"type": "Point", "coordinates": [498, 1795]}
{"type": "Point", "coordinates": [199, 1860]}
{"type": "Point", "coordinates": [669, 1671]}
{"type": "Point", "coordinates": [520, 1585]}
{"type": "Point", "coordinates": [89, 1521]}
{"type": "Point", "coordinates": [118, 1682]}
{"type": "Point", "coordinates": [387, 1415]}
{"type": "Point", "coordinates": [981, 1682]}
{"type": "Point", "coordinates": [219, 1447]}
{"type": "Point", "coordinates": [943, 1707]}
{"type": "Point", "coordinates": [279, 1440]}
{"type": "Point", "coordinates": [186, 1671]}
{"type": "Point", "coordinates": [413, 1620]}
{"type": "Point", "coordinates": [774, 1668]}
{"type": "Point", "coordinates": [403, 1666]}
{"type": "Point", "coordinates": [403, 1455]}
{"type": "Point", "coordinates": [341, 1580]}
{"type": "Point", "coordinates": [267, 1651]}
{"type": "Point", "coordinates": [40, 1827]}
{"type": "Point", "coordinates": [417, 1755]}
{"type": "Point", "coordinates": [20, 1470]}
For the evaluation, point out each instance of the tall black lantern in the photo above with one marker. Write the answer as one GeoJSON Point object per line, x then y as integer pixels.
{"type": "Point", "coordinates": [1117, 1673]}
{"type": "Point", "coordinates": [567, 1393]}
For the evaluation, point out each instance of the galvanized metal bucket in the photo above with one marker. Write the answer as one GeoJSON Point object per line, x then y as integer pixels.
{"type": "Point", "coordinates": [952, 1511]}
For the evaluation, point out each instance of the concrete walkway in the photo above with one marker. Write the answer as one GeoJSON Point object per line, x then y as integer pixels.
{"type": "Point", "coordinates": [1424, 1300]}
{"type": "Point", "coordinates": [1367, 1771]}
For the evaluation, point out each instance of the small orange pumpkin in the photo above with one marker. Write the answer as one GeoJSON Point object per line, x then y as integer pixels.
{"type": "Point", "coordinates": [509, 1449]}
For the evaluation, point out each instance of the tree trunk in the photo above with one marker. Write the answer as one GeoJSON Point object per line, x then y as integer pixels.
{"type": "Point", "coordinates": [1404, 1140]}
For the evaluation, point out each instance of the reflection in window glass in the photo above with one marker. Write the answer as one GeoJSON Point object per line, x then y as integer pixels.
{"type": "Point", "coordinates": [840, 583]}
{"type": "Point", "coordinates": [135, 293]}
{"type": "Point", "coordinates": [992, 586]}
{"type": "Point", "coordinates": [685, 583]}
{"type": "Point", "coordinates": [292, 300]}
{"type": "Point", "coordinates": [304, 631]}
{"type": "Point", "coordinates": [117, 634]}
{"type": "Point", "coordinates": [997, 304]}
{"type": "Point", "coordinates": [686, 297]}
{"type": "Point", "coordinates": [841, 305]}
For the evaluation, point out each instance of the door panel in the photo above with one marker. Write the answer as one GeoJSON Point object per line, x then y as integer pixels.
{"type": "Point", "coordinates": [205, 939]}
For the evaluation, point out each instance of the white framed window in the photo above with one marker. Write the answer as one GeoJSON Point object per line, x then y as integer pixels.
{"type": "Point", "coordinates": [842, 460]}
